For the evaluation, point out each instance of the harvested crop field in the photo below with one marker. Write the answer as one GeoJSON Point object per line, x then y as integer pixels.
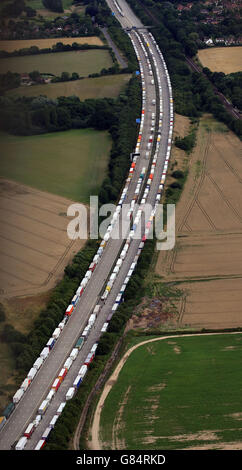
{"type": "Point", "coordinates": [173, 393]}
{"type": "Point", "coordinates": [35, 247]}
{"type": "Point", "coordinates": [109, 86]}
{"type": "Point", "coordinates": [207, 259]}
{"type": "Point", "coordinates": [11, 46]}
{"type": "Point", "coordinates": [82, 62]}
{"type": "Point", "coordinates": [222, 59]}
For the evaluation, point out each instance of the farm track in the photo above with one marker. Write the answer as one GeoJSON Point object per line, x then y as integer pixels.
{"type": "Point", "coordinates": [198, 188]}
{"type": "Point", "coordinates": [95, 441]}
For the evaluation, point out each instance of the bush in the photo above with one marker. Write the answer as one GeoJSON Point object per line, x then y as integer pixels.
{"type": "Point", "coordinates": [176, 185]}
{"type": "Point", "coordinates": [178, 174]}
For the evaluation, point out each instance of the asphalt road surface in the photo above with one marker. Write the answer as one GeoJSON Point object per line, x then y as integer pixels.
{"type": "Point", "coordinates": [27, 409]}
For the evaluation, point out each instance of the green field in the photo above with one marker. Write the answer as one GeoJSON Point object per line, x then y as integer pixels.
{"type": "Point", "coordinates": [108, 86]}
{"type": "Point", "coordinates": [177, 393]}
{"type": "Point", "coordinates": [37, 4]}
{"type": "Point", "coordinates": [82, 62]}
{"type": "Point", "coordinates": [71, 164]}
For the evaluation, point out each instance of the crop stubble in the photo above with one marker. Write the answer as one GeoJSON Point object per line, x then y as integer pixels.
{"type": "Point", "coordinates": [222, 59]}
{"type": "Point", "coordinates": [208, 253]}
{"type": "Point", "coordinates": [34, 248]}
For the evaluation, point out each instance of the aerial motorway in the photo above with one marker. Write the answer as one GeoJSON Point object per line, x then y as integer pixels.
{"type": "Point", "coordinates": [62, 366]}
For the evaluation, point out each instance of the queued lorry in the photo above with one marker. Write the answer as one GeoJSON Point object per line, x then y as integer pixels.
{"type": "Point", "coordinates": [29, 430]}
{"type": "Point", "coordinates": [21, 443]}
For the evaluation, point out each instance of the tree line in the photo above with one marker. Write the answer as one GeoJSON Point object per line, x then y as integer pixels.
{"type": "Point", "coordinates": [119, 117]}
{"type": "Point", "coordinates": [58, 47]}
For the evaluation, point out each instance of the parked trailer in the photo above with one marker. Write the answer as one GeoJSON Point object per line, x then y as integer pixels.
{"type": "Point", "coordinates": [80, 291]}
{"type": "Point", "coordinates": [53, 421]}
{"type": "Point", "coordinates": [83, 370]}
{"type": "Point", "coordinates": [70, 393]}
{"type": "Point", "coordinates": [77, 382]}
{"type": "Point", "coordinates": [56, 384]}
{"type": "Point", "coordinates": [46, 433]}
{"type": "Point", "coordinates": [50, 395]}
{"type": "Point", "coordinates": [32, 373]}
{"type": "Point", "coordinates": [97, 309]}
{"type": "Point", "coordinates": [18, 395]}
{"type": "Point", "coordinates": [37, 420]}
{"type": "Point", "coordinates": [40, 444]}
{"type": "Point", "coordinates": [44, 353]}
{"type": "Point", "coordinates": [21, 443]}
{"type": "Point", "coordinates": [61, 408]}
{"type": "Point", "coordinates": [43, 407]}
{"type": "Point", "coordinates": [105, 327]}
{"type": "Point", "coordinates": [92, 319]}
{"type": "Point", "coordinates": [29, 430]}
{"type": "Point", "coordinates": [38, 363]}
{"type": "Point", "coordinates": [89, 359]}
{"type": "Point", "coordinates": [62, 374]}
{"type": "Point", "coordinates": [74, 353]}
{"type": "Point", "coordinates": [25, 384]}
{"type": "Point", "coordinates": [79, 343]}
{"type": "Point", "coordinates": [56, 333]}
{"type": "Point", "coordinates": [50, 344]}
{"type": "Point", "coordinates": [94, 347]}
{"type": "Point", "coordinates": [75, 300]}
{"type": "Point", "coordinates": [61, 325]}
{"type": "Point", "coordinates": [68, 363]}
{"type": "Point", "coordinates": [109, 317]}
{"type": "Point", "coordinates": [69, 310]}
{"type": "Point", "coordinates": [3, 420]}
{"type": "Point", "coordinates": [86, 332]}
{"type": "Point", "coordinates": [8, 410]}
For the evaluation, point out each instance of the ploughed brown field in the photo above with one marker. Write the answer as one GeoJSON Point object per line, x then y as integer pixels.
{"type": "Point", "coordinates": [207, 258]}
{"type": "Point", "coordinates": [34, 246]}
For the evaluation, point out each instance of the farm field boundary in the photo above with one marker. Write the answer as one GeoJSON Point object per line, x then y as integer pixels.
{"type": "Point", "coordinates": [87, 151]}
{"type": "Point", "coordinates": [108, 86]}
{"type": "Point", "coordinates": [208, 232]}
{"type": "Point", "coordinates": [84, 62]}
{"type": "Point", "coordinates": [15, 45]}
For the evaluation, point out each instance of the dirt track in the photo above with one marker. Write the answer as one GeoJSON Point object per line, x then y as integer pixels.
{"type": "Point", "coordinates": [94, 442]}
